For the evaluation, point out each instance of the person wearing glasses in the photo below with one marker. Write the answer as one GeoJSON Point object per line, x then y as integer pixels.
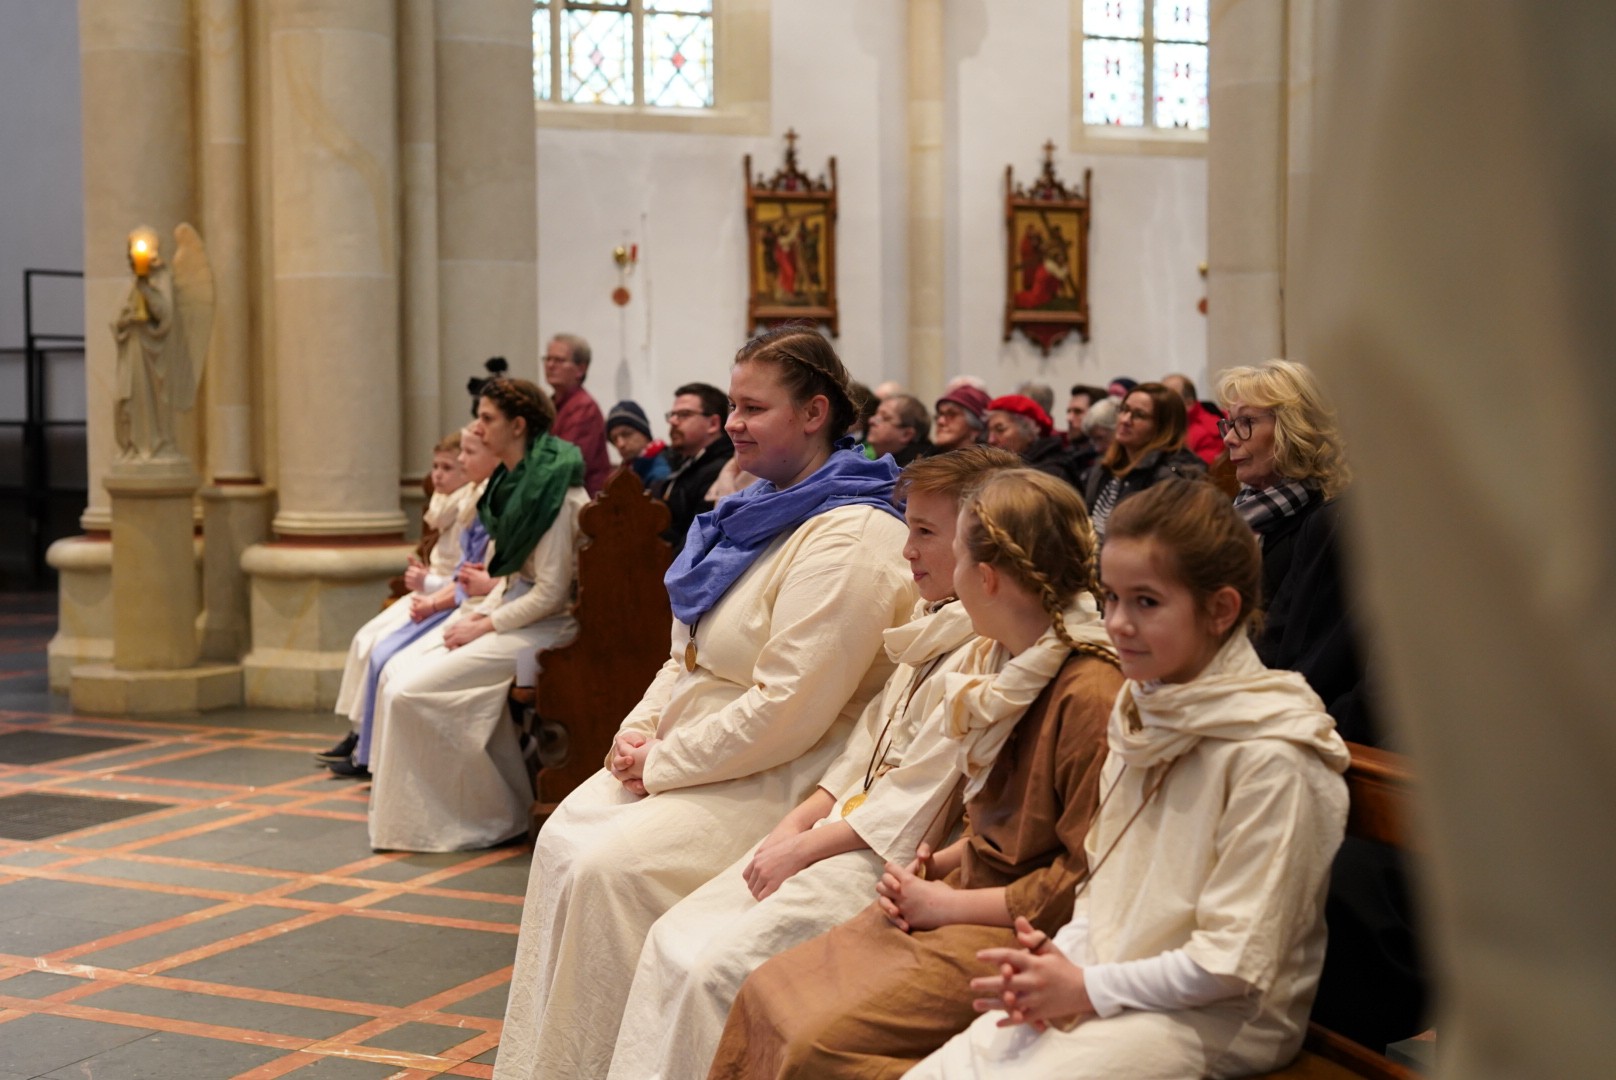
{"type": "Point", "coordinates": [696, 437]}
{"type": "Point", "coordinates": [1148, 447]}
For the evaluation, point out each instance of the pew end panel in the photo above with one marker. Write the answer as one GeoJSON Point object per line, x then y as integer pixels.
{"type": "Point", "coordinates": [586, 687]}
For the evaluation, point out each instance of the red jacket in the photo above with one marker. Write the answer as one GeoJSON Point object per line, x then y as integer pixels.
{"type": "Point", "coordinates": [1203, 438]}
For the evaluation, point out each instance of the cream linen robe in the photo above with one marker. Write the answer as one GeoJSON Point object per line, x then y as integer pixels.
{"type": "Point", "coordinates": [449, 771]}
{"type": "Point", "coordinates": [1229, 862]}
{"type": "Point", "coordinates": [699, 953]}
{"type": "Point", "coordinates": [786, 661]}
{"type": "Point", "coordinates": [446, 513]}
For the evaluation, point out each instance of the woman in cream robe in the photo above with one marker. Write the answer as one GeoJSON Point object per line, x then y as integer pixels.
{"type": "Point", "coordinates": [1227, 863]}
{"type": "Point", "coordinates": [751, 707]}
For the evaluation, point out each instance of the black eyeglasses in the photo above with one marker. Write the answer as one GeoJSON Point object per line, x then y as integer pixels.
{"type": "Point", "coordinates": [681, 415]}
{"type": "Point", "coordinates": [1241, 425]}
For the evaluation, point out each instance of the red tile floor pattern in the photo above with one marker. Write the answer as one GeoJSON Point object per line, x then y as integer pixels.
{"type": "Point", "coordinates": [312, 796]}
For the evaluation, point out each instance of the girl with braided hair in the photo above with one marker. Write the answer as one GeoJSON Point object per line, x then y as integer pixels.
{"type": "Point", "coordinates": [878, 993]}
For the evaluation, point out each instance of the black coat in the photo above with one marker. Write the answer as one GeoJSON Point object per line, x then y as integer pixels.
{"type": "Point", "coordinates": [1049, 454]}
{"type": "Point", "coordinates": [1154, 466]}
{"type": "Point", "coordinates": [685, 491]}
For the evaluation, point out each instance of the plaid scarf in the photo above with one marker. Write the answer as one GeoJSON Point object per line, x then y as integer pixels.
{"type": "Point", "coordinates": [1267, 507]}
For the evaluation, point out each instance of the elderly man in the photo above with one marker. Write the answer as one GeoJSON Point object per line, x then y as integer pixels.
{"type": "Point", "coordinates": [1020, 425]}
{"type": "Point", "coordinates": [1202, 438]}
{"type": "Point", "coordinates": [696, 435]}
{"type": "Point", "coordinates": [901, 427]}
{"type": "Point", "coordinates": [578, 418]}
{"type": "Point", "coordinates": [962, 418]}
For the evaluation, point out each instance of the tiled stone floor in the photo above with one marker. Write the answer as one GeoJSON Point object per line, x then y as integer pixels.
{"type": "Point", "coordinates": [244, 930]}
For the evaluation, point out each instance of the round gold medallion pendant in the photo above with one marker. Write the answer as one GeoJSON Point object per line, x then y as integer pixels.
{"type": "Point", "coordinates": [690, 655]}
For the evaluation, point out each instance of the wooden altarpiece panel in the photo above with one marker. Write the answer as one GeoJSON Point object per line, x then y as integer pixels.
{"type": "Point", "coordinates": [1046, 294]}
{"type": "Point", "coordinates": [791, 245]}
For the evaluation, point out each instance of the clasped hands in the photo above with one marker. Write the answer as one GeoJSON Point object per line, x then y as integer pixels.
{"type": "Point", "coordinates": [1036, 983]}
{"type": "Point", "coordinates": [627, 762]}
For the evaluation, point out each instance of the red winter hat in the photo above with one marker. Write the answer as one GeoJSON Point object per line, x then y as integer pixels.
{"type": "Point", "coordinates": [1022, 405]}
{"type": "Point", "coordinates": [972, 400]}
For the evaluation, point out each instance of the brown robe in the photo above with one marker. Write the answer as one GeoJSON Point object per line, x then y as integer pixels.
{"type": "Point", "coordinates": [867, 1000]}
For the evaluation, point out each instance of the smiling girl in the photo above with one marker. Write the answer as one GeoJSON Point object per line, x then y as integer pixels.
{"type": "Point", "coordinates": [1195, 944]}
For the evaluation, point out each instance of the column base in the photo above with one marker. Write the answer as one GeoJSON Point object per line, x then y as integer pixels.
{"type": "Point", "coordinates": [307, 602]}
{"type": "Point", "coordinates": [106, 690]}
{"type": "Point", "coordinates": [83, 566]}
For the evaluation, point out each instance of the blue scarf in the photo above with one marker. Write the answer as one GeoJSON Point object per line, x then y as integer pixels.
{"type": "Point", "coordinates": [726, 540]}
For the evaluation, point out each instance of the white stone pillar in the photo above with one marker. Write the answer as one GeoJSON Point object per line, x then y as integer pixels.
{"type": "Point", "coordinates": [135, 77]}
{"type": "Point", "coordinates": [926, 279]}
{"type": "Point", "coordinates": [1246, 171]}
{"type": "Point", "coordinates": [418, 174]}
{"type": "Point", "coordinates": [235, 502]}
{"type": "Point", "coordinates": [334, 189]}
{"type": "Point", "coordinates": [487, 194]}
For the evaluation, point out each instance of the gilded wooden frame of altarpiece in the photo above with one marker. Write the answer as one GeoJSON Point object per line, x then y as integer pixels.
{"type": "Point", "coordinates": [1046, 293]}
{"type": "Point", "coordinates": [791, 245]}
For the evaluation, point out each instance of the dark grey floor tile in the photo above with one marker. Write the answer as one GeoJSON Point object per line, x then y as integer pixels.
{"type": "Point", "coordinates": [268, 798]}
{"type": "Point", "coordinates": [508, 878]}
{"type": "Point", "coordinates": [38, 984]}
{"type": "Point", "coordinates": [184, 938]}
{"type": "Point", "coordinates": [413, 866]}
{"type": "Point", "coordinates": [32, 858]}
{"type": "Point", "coordinates": [360, 959]}
{"type": "Point", "coordinates": [178, 794]}
{"type": "Point", "coordinates": [148, 827]}
{"type": "Point", "coordinates": [329, 894]}
{"type": "Point", "coordinates": [490, 1004]}
{"type": "Point", "coordinates": [277, 842]}
{"type": "Point", "coordinates": [448, 907]}
{"type": "Point", "coordinates": [34, 1045]}
{"type": "Point", "coordinates": [164, 1056]}
{"type": "Point", "coordinates": [327, 725]}
{"type": "Point", "coordinates": [243, 765]}
{"type": "Point", "coordinates": [227, 1012]}
{"type": "Point", "coordinates": [120, 760]}
{"type": "Point", "coordinates": [340, 1068]}
{"type": "Point", "coordinates": [43, 916]}
{"type": "Point", "coordinates": [422, 1038]}
{"type": "Point", "coordinates": [487, 1057]}
{"type": "Point", "coordinates": [161, 873]}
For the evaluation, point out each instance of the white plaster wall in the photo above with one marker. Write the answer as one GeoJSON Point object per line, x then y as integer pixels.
{"type": "Point", "coordinates": [838, 79]}
{"type": "Point", "coordinates": [41, 189]}
{"type": "Point", "coordinates": [1009, 93]}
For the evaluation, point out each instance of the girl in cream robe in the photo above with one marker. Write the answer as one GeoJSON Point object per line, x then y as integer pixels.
{"type": "Point", "coordinates": [448, 512]}
{"type": "Point", "coordinates": [1200, 929]}
{"type": "Point", "coordinates": [449, 771]}
{"type": "Point", "coordinates": [893, 784]}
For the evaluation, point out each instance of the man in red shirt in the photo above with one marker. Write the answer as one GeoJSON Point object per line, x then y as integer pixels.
{"type": "Point", "coordinates": [1202, 438]}
{"type": "Point", "coordinates": [578, 418]}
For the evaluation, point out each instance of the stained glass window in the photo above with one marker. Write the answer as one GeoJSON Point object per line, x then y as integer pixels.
{"type": "Point", "coordinates": [1145, 63]}
{"type": "Point", "coordinates": [624, 52]}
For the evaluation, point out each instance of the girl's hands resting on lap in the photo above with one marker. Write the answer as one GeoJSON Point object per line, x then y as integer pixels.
{"type": "Point", "coordinates": [774, 863]}
{"type": "Point", "coordinates": [467, 630]}
{"type": "Point", "coordinates": [414, 575]}
{"type": "Point", "coordinates": [627, 766]}
{"type": "Point", "coordinates": [422, 607]}
{"type": "Point", "coordinates": [473, 577]}
{"type": "Point", "coordinates": [1035, 984]}
{"type": "Point", "coordinates": [909, 901]}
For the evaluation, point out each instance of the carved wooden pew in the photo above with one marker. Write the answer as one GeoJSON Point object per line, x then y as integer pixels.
{"type": "Point", "coordinates": [585, 688]}
{"type": "Point", "coordinates": [1378, 785]}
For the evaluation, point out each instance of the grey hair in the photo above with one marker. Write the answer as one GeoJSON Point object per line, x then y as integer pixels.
{"type": "Point", "coordinates": [1042, 393]}
{"type": "Point", "coordinates": [1102, 414]}
{"type": "Point", "coordinates": [577, 346]}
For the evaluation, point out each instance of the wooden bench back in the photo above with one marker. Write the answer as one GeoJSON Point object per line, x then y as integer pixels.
{"type": "Point", "coordinates": [623, 615]}
{"type": "Point", "coordinates": [1379, 787]}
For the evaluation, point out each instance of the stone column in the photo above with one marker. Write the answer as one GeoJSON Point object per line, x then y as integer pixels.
{"type": "Point", "coordinates": [487, 196]}
{"type": "Point", "coordinates": [926, 198]}
{"type": "Point", "coordinates": [418, 174]}
{"type": "Point", "coordinates": [333, 176]}
{"type": "Point", "coordinates": [135, 73]}
{"type": "Point", "coordinates": [1246, 172]}
{"type": "Point", "coordinates": [235, 504]}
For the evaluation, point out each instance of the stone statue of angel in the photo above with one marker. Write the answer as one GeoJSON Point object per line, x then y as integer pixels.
{"type": "Point", "coordinates": [162, 332]}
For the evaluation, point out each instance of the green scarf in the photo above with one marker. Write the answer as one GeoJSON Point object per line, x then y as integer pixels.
{"type": "Point", "coordinates": [519, 505]}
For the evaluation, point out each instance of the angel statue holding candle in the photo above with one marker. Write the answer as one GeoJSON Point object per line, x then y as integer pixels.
{"type": "Point", "coordinates": [162, 334]}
